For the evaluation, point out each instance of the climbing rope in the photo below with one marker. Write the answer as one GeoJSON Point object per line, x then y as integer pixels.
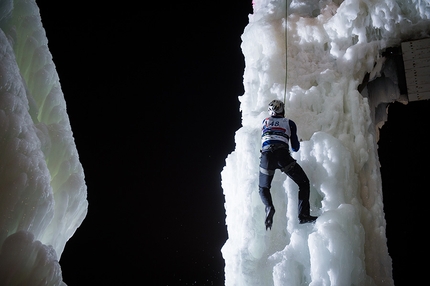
{"type": "Point", "coordinates": [286, 51]}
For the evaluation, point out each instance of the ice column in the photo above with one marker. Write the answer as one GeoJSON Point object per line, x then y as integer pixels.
{"type": "Point", "coordinates": [42, 188]}
{"type": "Point", "coordinates": [330, 46]}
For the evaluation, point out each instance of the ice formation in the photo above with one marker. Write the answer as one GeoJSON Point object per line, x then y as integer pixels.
{"type": "Point", "coordinates": [42, 188]}
{"type": "Point", "coordinates": [330, 47]}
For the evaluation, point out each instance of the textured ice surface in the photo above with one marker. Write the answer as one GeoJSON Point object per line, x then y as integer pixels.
{"type": "Point", "coordinates": [331, 45]}
{"type": "Point", "coordinates": [42, 187]}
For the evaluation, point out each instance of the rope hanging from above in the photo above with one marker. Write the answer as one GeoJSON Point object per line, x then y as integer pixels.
{"type": "Point", "coordinates": [286, 53]}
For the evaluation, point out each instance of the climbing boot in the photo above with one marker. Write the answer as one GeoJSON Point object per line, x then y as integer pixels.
{"type": "Point", "coordinates": [270, 211]}
{"type": "Point", "coordinates": [303, 218]}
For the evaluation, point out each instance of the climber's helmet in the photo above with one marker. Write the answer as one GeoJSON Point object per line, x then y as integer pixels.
{"type": "Point", "coordinates": [276, 107]}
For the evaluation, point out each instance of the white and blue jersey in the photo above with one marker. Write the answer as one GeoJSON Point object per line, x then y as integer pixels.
{"type": "Point", "coordinates": [279, 130]}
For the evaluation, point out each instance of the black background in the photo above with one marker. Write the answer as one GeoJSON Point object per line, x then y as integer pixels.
{"type": "Point", "coordinates": [404, 156]}
{"type": "Point", "coordinates": [152, 95]}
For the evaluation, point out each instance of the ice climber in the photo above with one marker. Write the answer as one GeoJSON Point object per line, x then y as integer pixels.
{"type": "Point", "coordinates": [277, 132]}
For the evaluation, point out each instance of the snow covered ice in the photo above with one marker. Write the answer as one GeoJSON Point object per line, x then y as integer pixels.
{"type": "Point", "coordinates": [331, 46]}
{"type": "Point", "coordinates": [42, 188]}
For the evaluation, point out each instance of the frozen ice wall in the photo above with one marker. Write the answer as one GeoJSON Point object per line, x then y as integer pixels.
{"type": "Point", "coordinates": [331, 45]}
{"type": "Point", "coordinates": [42, 188]}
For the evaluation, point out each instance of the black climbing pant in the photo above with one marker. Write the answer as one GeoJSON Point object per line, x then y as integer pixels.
{"type": "Point", "coordinates": [281, 159]}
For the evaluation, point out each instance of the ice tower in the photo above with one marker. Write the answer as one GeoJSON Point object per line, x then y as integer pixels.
{"type": "Point", "coordinates": [42, 188]}
{"type": "Point", "coordinates": [329, 51]}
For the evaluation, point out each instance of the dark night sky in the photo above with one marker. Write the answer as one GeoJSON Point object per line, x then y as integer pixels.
{"type": "Point", "coordinates": [404, 153]}
{"type": "Point", "coordinates": [152, 96]}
